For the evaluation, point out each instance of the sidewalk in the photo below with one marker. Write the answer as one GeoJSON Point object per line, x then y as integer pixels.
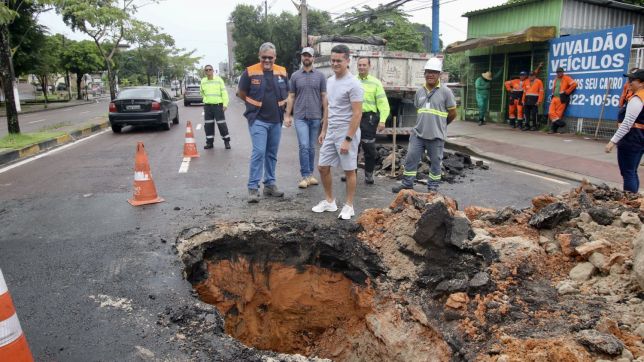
{"type": "Point", "coordinates": [567, 156]}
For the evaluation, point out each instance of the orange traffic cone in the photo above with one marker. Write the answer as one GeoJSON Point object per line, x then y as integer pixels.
{"type": "Point", "coordinates": [190, 147]}
{"type": "Point", "coordinates": [13, 344]}
{"type": "Point", "coordinates": [144, 190]}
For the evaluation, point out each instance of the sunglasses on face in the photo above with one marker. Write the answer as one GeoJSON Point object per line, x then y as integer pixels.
{"type": "Point", "coordinates": [268, 58]}
{"type": "Point", "coordinates": [337, 60]}
{"type": "Point", "coordinates": [208, 70]}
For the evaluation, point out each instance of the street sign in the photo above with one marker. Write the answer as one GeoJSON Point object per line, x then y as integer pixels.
{"type": "Point", "coordinates": [597, 61]}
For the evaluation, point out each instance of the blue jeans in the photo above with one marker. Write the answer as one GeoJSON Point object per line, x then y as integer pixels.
{"type": "Point", "coordinates": [415, 151]}
{"type": "Point", "coordinates": [307, 137]}
{"type": "Point", "coordinates": [265, 137]}
{"type": "Point", "coordinates": [629, 160]}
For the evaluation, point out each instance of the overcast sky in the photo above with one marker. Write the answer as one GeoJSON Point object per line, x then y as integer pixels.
{"type": "Point", "coordinates": [201, 24]}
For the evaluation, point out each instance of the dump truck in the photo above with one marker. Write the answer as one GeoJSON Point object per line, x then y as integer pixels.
{"type": "Point", "coordinates": [401, 73]}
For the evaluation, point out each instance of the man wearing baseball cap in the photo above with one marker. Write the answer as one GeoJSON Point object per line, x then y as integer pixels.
{"type": "Point", "coordinates": [307, 100]}
{"type": "Point", "coordinates": [562, 87]}
{"type": "Point", "coordinates": [516, 88]}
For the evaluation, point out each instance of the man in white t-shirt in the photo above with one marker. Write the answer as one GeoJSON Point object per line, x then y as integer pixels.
{"type": "Point", "coordinates": [340, 136]}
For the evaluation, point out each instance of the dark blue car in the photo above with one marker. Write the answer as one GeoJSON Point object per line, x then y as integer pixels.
{"type": "Point", "coordinates": [143, 106]}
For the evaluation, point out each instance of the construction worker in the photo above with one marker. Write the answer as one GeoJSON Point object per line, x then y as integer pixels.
{"type": "Point", "coordinates": [215, 99]}
{"type": "Point", "coordinates": [375, 110]}
{"type": "Point", "coordinates": [532, 99]}
{"type": "Point", "coordinates": [482, 86]}
{"type": "Point", "coordinates": [625, 96]}
{"type": "Point", "coordinates": [264, 89]}
{"type": "Point", "coordinates": [629, 137]}
{"type": "Point", "coordinates": [516, 88]}
{"type": "Point", "coordinates": [436, 109]}
{"type": "Point", "coordinates": [562, 87]}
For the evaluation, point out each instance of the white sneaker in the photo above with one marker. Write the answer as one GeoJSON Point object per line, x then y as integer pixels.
{"type": "Point", "coordinates": [324, 205]}
{"type": "Point", "coordinates": [346, 213]}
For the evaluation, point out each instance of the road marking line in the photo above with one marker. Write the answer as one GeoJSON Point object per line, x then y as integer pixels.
{"type": "Point", "coordinates": [84, 112]}
{"type": "Point", "coordinates": [38, 121]}
{"type": "Point", "coordinates": [185, 165]}
{"type": "Point", "coordinates": [198, 126]}
{"type": "Point", "coordinates": [5, 169]}
{"type": "Point", "coordinates": [543, 177]}
{"type": "Point", "coordinates": [202, 113]}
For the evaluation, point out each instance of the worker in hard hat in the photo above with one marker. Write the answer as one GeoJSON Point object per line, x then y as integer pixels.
{"type": "Point", "coordinates": [436, 109]}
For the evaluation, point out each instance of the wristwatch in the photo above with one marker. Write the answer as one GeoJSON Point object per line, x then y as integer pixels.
{"type": "Point", "coordinates": [347, 138]}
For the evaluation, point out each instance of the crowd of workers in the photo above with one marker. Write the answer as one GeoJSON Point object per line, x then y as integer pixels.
{"type": "Point", "coordinates": [343, 113]}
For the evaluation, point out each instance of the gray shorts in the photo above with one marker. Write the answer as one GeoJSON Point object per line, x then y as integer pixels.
{"type": "Point", "coordinates": [330, 150]}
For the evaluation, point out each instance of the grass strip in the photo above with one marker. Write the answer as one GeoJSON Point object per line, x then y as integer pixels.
{"type": "Point", "coordinates": [21, 140]}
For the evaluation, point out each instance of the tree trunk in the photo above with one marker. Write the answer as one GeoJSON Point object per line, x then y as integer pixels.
{"type": "Point", "coordinates": [79, 79]}
{"type": "Point", "coordinates": [148, 75]}
{"type": "Point", "coordinates": [68, 85]}
{"type": "Point", "coordinates": [111, 80]}
{"type": "Point", "coordinates": [8, 79]}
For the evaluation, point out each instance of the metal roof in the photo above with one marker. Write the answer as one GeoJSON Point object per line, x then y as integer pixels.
{"type": "Point", "coordinates": [606, 3]}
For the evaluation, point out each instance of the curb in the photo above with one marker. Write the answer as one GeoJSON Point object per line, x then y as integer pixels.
{"type": "Point", "coordinates": [566, 175]}
{"type": "Point", "coordinates": [16, 155]}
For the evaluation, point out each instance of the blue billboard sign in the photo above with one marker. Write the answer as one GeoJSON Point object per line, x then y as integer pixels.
{"type": "Point", "coordinates": [596, 61]}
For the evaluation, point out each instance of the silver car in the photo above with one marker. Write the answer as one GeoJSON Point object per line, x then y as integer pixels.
{"type": "Point", "coordinates": [193, 95]}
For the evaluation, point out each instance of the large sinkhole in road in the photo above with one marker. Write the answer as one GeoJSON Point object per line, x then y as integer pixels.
{"type": "Point", "coordinates": [280, 288]}
{"type": "Point", "coordinates": [291, 287]}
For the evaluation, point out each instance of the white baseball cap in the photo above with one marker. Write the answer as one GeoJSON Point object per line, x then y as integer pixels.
{"type": "Point", "coordinates": [308, 50]}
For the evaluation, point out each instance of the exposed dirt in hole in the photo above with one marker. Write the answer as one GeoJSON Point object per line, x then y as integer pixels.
{"type": "Point", "coordinates": [280, 308]}
{"type": "Point", "coordinates": [424, 281]}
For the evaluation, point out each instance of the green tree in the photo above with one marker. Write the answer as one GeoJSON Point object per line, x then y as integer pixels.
{"type": "Point", "coordinates": [180, 64]}
{"type": "Point", "coordinates": [80, 58]}
{"type": "Point", "coordinates": [47, 64]}
{"type": "Point", "coordinates": [153, 48]}
{"type": "Point", "coordinates": [107, 22]}
{"type": "Point", "coordinates": [391, 24]}
{"type": "Point", "coordinates": [456, 65]}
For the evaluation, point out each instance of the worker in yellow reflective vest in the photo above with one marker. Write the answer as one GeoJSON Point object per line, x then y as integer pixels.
{"type": "Point", "coordinates": [215, 99]}
{"type": "Point", "coordinates": [375, 110]}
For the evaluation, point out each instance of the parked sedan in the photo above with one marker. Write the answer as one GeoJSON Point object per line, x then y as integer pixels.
{"type": "Point", "coordinates": [143, 106]}
{"type": "Point", "coordinates": [193, 95]}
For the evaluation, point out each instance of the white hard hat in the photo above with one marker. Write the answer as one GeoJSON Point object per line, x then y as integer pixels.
{"type": "Point", "coordinates": [434, 64]}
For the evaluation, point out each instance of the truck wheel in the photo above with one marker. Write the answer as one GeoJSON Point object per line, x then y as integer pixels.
{"type": "Point", "coordinates": [116, 128]}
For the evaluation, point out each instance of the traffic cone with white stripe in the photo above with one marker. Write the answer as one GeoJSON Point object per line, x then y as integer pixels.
{"type": "Point", "coordinates": [13, 344]}
{"type": "Point", "coordinates": [190, 147]}
{"type": "Point", "coordinates": [144, 190]}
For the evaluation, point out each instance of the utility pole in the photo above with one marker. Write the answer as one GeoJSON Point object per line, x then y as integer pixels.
{"type": "Point", "coordinates": [303, 10]}
{"type": "Point", "coordinates": [435, 33]}
{"type": "Point", "coordinates": [265, 9]}
{"type": "Point", "coordinates": [304, 14]}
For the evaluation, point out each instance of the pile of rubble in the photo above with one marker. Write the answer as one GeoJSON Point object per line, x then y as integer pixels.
{"type": "Point", "coordinates": [455, 165]}
{"type": "Point", "coordinates": [422, 280]}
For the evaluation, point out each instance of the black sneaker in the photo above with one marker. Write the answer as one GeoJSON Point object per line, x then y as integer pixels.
{"type": "Point", "coordinates": [271, 190]}
{"type": "Point", "coordinates": [368, 178]}
{"type": "Point", "coordinates": [208, 146]}
{"type": "Point", "coordinates": [227, 144]}
{"type": "Point", "coordinates": [253, 196]}
{"type": "Point", "coordinates": [398, 188]}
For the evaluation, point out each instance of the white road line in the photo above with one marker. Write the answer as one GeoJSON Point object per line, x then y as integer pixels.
{"type": "Point", "coordinates": [185, 165]}
{"type": "Point", "coordinates": [198, 126]}
{"type": "Point", "coordinates": [38, 121]}
{"type": "Point", "coordinates": [11, 167]}
{"type": "Point", "coordinates": [84, 112]}
{"type": "Point", "coordinates": [543, 177]}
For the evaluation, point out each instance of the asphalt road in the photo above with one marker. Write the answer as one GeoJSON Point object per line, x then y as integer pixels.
{"type": "Point", "coordinates": [57, 118]}
{"type": "Point", "coordinates": [90, 274]}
